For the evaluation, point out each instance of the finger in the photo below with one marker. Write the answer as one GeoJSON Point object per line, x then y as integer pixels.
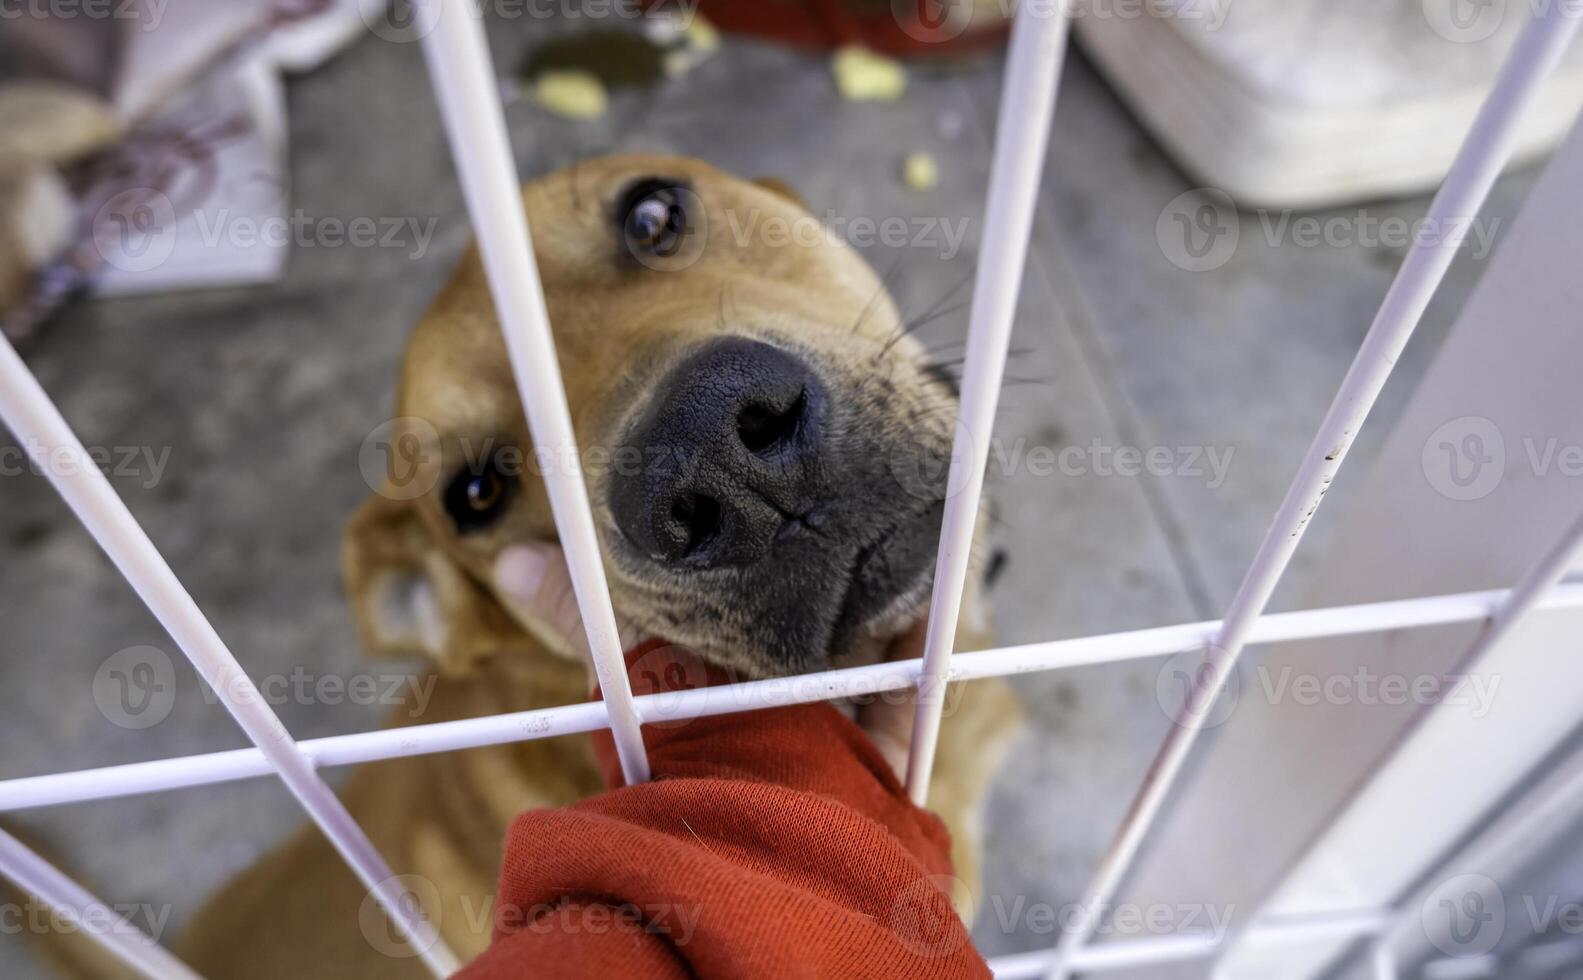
{"type": "Point", "coordinates": [887, 720]}
{"type": "Point", "coordinates": [909, 645]}
{"type": "Point", "coordinates": [533, 579]}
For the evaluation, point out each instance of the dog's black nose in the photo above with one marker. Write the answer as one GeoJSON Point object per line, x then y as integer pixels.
{"type": "Point", "coordinates": [724, 458]}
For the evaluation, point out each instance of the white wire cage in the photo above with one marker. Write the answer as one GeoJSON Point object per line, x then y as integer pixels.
{"type": "Point", "coordinates": [463, 80]}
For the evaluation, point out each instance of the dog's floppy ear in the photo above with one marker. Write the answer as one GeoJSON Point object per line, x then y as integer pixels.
{"type": "Point", "coordinates": [410, 598]}
{"type": "Point", "coordinates": [777, 186]}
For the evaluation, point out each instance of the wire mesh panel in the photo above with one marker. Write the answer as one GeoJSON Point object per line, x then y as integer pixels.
{"type": "Point", "coordinates": [463, 79]}
{"type": "Point", "coordinates": [1485, 151]}
{"type": "Point", "coordinates": [30, 415]}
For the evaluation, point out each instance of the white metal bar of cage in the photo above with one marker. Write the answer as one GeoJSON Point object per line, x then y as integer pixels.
{"type": "Point", "coordinates": [94, 919]}
{"type": "Point", "coordinates": [1540, 816]}
{"type": "Point", "coordinates": [1022, 130]}
{"type": "Point", "coordinates": [1479, 161]}
{"type": "Point", "coordinates": [469, 96]}
{"type": "Point", "coordinates": [29, 792]}
{"type": "Point", "coordinates": [460, 65]}
{"type": "Point", "coordinates": [1530, 592]}
{"type": "Point", "coordinates": [1521, 602]}
{"type": "Point", "coordinates": [1382, 959]}
{"type": "Point", "coordinates": [38, 425]}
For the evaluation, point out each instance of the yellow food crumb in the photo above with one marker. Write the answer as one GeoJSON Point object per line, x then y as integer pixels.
{"type": "Point", "coordinates": [701, 35]}
{"type": "Point", "coordinates": [920, 171]}
{"type": "Point", "coordinates": [573, 94]}
{"type": "Point", "coordinates": [700, 39]}
{"type": "Point", "coordinates": [863, 76]}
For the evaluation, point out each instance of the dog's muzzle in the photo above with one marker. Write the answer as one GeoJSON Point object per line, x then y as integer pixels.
{"type": "Point", "coordinates": [730, 454]}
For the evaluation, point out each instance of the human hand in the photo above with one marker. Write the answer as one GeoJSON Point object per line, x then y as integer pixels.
{"type": "Point", "coordinates": [534, 579]}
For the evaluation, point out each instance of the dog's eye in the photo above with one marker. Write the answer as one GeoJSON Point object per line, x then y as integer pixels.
{"type": "Point", "coordinates": [475, 499]}
{"type": "Point", "coordinates": [653, 216]}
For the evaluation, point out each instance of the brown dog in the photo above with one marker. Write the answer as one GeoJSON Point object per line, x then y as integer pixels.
{"type": "Point", "coordinates": [764, 450]}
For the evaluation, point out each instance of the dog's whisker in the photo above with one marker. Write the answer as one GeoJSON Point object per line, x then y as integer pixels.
{"type": "Point", "coordinates": [935, 311]}
{"type": "Point", "coordinates": [907, 328]}
{"type": "Point", "coordinates": [957, 361]}
{"type": "Point", "coordinates": [949, 294]}
{"type": "Point", "coordinates": [882, 290]}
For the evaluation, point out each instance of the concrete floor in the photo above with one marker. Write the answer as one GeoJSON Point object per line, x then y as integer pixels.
{"type": "Point", "coordinates": [264, 395]}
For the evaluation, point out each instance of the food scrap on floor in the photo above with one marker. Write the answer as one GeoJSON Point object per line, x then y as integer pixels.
{"type": "Point", "coordinates": [863, 76]}
{"type": "Point", "coordinates": [571, 93]}
{"type": "Point", "coordinates": [920, 171]}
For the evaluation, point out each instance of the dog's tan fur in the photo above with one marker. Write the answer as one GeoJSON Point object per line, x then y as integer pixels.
{"type": "Point", "coordinates": [418, 587]}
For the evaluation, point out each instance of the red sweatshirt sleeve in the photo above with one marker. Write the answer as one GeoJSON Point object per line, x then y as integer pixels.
{"type": "Point", "coordinates": [773, 843]}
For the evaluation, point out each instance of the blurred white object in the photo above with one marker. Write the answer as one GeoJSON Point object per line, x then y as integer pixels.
{"type": "Point", "coordinates": [199, 196]}
{"type": "Point", "coordinates": [1307, 103]}
{"type": "Point", "coordinates": [196, 198]}
{"type": "Point", "coordinates": [43, 126]}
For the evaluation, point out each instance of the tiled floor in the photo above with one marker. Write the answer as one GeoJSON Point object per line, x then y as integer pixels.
{"type": "Point", "coordinates": [264, 395]}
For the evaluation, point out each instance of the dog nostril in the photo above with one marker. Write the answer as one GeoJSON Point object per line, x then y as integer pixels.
{"type": "Point", "coordinates": [763, 427]}
{"type": "Point", "coordinates": [699, 520]}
